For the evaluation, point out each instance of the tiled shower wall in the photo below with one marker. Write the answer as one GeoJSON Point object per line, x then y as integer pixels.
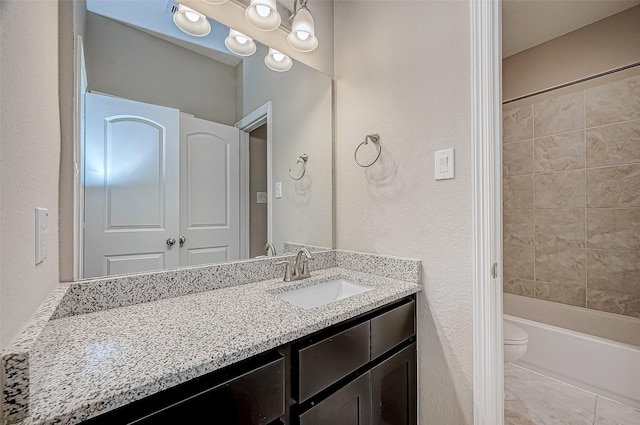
{"type": "Point", "coordinates": [571, 193]}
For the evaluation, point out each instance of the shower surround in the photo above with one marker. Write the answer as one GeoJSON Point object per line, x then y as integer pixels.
{"type": "Point", "coordinates": [571, 197]}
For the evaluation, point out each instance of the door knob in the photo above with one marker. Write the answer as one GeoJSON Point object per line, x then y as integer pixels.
{"type": "Point", "coordinates": [182, 240]}
{"type": "Point", "coordinates": [171, 241]}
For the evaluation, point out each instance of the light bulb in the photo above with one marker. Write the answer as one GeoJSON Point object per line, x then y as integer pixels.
{"type": "Point", "coordinates": [191, 22]}
{"type": "Point", "coordinates": [277, 61]}
{"type": "Point", "coordinates": [302, 35]}
{"type": "Point", "coordinates": [239, 43]}
{"type": "Point", "coordinates": [263, 11]}
{"type": "Point", "coordinates": [192, 16]}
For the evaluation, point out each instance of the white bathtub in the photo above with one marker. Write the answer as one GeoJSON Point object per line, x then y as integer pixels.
{"type": "Point", "coordinates": [604, 367]}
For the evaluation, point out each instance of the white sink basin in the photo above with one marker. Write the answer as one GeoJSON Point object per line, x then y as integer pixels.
{"type": "Point", "coordinates": [322, 293]}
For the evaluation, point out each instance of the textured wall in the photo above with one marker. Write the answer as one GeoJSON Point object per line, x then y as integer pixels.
{"type": "Point", "coordinates": [402, 70]}
{"type": "Point", "coordinates": [572, 198]}
{"type": "Point", "coordinates": [30, 152]}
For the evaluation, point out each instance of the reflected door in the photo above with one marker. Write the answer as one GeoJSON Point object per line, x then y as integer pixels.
{"type": "Point", "coordinates": [209, 191]}
{"type": "Point", "coordinates": [131, 186]}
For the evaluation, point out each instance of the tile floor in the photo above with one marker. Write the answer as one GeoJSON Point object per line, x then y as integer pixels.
{"type": "Point", "coordinates": [534, 399]}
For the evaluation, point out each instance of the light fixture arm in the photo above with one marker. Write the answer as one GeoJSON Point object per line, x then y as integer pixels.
{"type": "Point", "coordinates": [298, 5]}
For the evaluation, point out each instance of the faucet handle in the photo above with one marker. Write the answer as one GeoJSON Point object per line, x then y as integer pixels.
{"type": "Point", "coordinates": [305, 266]}
{"type": "Point", "coordinates": [287, 270]}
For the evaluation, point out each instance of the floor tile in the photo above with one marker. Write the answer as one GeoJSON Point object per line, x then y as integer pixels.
{"type": "Point", "coordinates": [611, 413]}
{"type": "Point", "coordinates": [532, 399]}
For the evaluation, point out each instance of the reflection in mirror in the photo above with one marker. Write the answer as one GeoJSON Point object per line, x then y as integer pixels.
{"type": "Point", "coordinates": [187, 148]}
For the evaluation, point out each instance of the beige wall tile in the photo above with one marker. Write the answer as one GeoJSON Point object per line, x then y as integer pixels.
{"type": "Point", "coordinates": [560, 227]}
{"type": "Point", "coordinates": [517, 123]}
{"type": "Point", "coordinates": [518, 227]}
{"type": "Point", "coordinates": [516, 286]}
{"type": "Point", "coordinates": [613, 187]}
{"type": "Point", "coordinates": [615, 144]}
{"type": "Point", "coordinates": [565, 266]}
{"type": "Point", "coordinates": [614, 271]}
{"type": "Point", "coordinates": [565, 294]}
{"type": "Point", "coordinates": [612, 302]}
{"type": "Point", "coordinates": [560, 190]}
{"type": "Point", "coordinates": [613, 102]}
{"type": "Point", "coordinates": [517, 192]}
{"type": "Point", "coordinates": [610, 228]}
{"type": "Point", "coordinates": [559, 115]}
{"type": "Point", "coordinates": [517, 158]}
{"type": "Point", "coordinates": [518, 261]}
{"type": "Point", "coordinates": [559, 152]}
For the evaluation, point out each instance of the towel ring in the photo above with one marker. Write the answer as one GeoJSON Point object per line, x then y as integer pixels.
{"type": "Point", "coordinates": [302, 159]}
{"type": "Point", "coordinates": [375, 139]}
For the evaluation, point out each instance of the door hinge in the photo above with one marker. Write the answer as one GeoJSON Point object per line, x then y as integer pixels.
{"type": "Point", "coordinates": [494, 271]}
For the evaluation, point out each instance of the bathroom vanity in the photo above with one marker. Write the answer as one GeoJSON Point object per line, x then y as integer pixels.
{"type": "Point", "coordinates": [220, 339]}
{"type": "Point", "coordinates": [361, 371]}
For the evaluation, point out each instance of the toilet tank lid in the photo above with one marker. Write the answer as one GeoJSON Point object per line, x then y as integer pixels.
{"type": "Point", "coordinates": [513, 333]}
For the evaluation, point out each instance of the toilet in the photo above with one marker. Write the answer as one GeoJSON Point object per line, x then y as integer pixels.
{"type": "Point", "coordinates": [515, 341]}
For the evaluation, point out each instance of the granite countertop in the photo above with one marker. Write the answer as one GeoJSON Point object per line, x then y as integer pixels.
{"type": "Point", "coordinates": [83, 365]}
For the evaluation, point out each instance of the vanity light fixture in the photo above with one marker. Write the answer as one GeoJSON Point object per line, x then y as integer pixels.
{"type": "Point", "coordinates": [277, 61]}
{"type": "Point", "coordinates": [263, 14]}
{"type": "Point", "coordinates": [302, 36]}
{"type": "Point", "coordinates": [191, 22]}
{"type": "Point", "coordinates": [239, 43]}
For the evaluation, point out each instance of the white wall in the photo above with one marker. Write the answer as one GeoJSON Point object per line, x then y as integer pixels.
{"type": "Point", "coordinates": [301, 99]}
{"type": "Point", "coordinates": [129, 63]}
{"type": "Point", "coordinates": [30, 152]}
{"type": "Point", "coordinates": [402, 69]}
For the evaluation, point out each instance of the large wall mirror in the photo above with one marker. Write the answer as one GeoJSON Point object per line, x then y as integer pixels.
{"type": "Point", "coordinates": [190, 154]}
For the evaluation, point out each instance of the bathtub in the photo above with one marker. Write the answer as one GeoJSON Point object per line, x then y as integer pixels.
{"type": "Point", "coordinates": [601, 366]}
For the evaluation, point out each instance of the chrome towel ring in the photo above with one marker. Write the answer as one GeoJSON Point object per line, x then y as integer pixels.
{"type": "Point", "coordinates": [302, 159]}
{"type": "Point", "coordinates": [375, 139]}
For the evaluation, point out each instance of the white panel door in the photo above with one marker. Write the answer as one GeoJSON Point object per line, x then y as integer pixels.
{"type": "Point", "coordinates": [131, 186]}
{"type": "Point", "coordinates": [209, 191]}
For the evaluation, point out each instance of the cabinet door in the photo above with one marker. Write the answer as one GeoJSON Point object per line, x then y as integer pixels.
{"type": "Point", "coordinates": [393, 389]}
{"type": "Point", "coordinates": [350, 405]}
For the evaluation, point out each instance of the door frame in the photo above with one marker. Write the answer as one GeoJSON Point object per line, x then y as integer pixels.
{"type": "Point", "coordinates": [262, 115]}
{"type": "Point", "coordinates": [486, 137]}
{"type": "Point", "coordinates": [80, 86]}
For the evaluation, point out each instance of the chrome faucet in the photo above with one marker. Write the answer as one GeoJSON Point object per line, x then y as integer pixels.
{"type": "Point", "coordinates": [300, 267]}
{"type": "Point", "coordinates": [269, 246]}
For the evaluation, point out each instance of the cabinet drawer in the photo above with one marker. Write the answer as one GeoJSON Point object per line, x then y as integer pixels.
{"type": "Point", "coordinates": [254, 398]}
{"type": "Point", "coordinates": [331, 359]}
{"type": "Point", "coordinates": [391, 328]}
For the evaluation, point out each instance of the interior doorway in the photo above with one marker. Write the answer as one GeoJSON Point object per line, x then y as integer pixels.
{"type": "Point", "coordinates": [258, 191]}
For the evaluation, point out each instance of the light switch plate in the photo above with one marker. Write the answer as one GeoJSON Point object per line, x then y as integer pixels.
{"type": "Point", "coordinates": [445, 164]}
{"type": "Point", "coordinates": [42, 227]}
{"type": "Point", "coordinates": [278, 190]}
{"type": "Point", "coordinates": [261, 197]}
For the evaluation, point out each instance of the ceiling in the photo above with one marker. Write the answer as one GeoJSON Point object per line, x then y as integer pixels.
{"type": "Point", "coordinates": [527, 23]}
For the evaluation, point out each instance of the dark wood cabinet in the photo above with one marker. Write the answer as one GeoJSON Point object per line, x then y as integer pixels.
{"type": "Point", "coordinates": [364, 374]}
